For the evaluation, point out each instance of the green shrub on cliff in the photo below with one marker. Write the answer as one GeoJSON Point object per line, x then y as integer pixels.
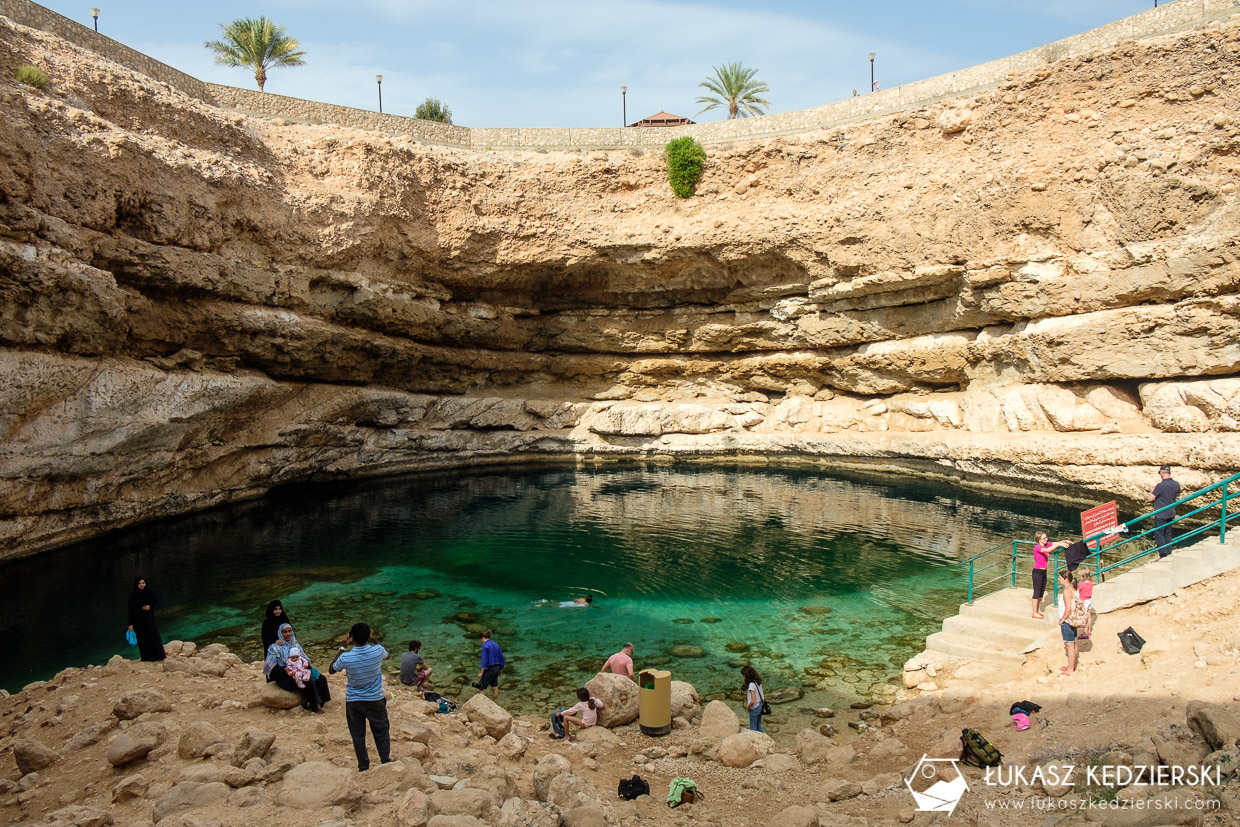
{"type": "Point", "coordinates": [31, 76]}
{"type": "Point", "coordinates": [684, 165]}
{"type": "Point", "coordinates": [433, 109]}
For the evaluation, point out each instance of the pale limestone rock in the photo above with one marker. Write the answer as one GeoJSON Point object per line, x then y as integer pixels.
{"type": "Point", "coordinates": [463, 802]}
{"type": "Point", "coordinates": [1217, 725]}
{"type": "Point", "coordinates": [839, 790]}
{"type": "Point", "coordinates": [317, 784]}
{"type": "Point", "coordinates": [743, 748]}
{"type": "Point", "coordinates": [197, 739]}
{"type": "Point", "coordinates": [718, 722]}
{"type": "Point", "coordinates": [619, 696]}
{"type": "Point", "coordinates": [188, 795]}
{"type": "Point", "coordinates": [512, 746]}
{"type": "Point", "coordinates": [129, 787]}
{"type": "Point", "coordinates": [254, 743]}
{"type": "Point", "coordinates": [685, 700]}
{"type": "Point", "coordinates": [813, 747]}
{"type": "Point", "coordinates": [138, 702]}
{"type": "Point", "coordinates": [414, 809]}
{"type": "Point", "coordinates": [128, 747]}
{"type": "Point", "coordinates": [955, 119]}
{"type": "Point", "coordinates": [548, 768]}
{"type": "Point", "coordinates": [494, 718]}
{"type": "Point", "coordinates": [277, 698]}
{"type": "Point", "coordinates": [32, 756]}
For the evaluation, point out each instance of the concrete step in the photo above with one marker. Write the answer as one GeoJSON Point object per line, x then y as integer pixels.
{"type": "Point", "coordinates": [969, 647]}
{"type": "Point", "coordinates": [995, 633]}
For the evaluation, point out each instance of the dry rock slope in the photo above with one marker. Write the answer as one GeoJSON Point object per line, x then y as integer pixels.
{"type": "Point", "coordinates": [1032, 288]}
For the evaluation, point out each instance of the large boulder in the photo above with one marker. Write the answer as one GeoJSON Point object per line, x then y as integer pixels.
{"type": "Point", "coordinates": [1218, 726]}
{"type": "Point", "coordinates": [188, 795]}
{"type": "Point", "coordinates": [718, 722]}
{"type": "Point", "coordinates": [315, 785]}
{"type": "Point", "coordinates": [253, 744]}
{"type": "Point", "coordinates": [685, 701]}
{"type": "Point", "coordinates": [743, 748]}
{"type": "Point", "coordinates": [795, 816]}
{"type": "Point", "coordinates": [414, 809]}
{"type": "Point", "coordinates": [619, 696]}
{"type": "Point", "coordinates": [274, 697]}
{"type": "Point", "coordinates": [466, 801]}
{"type": "Point", "coordinates": [137, 702]}
{"type": "Point", "coordinates": [812, 747]}
{"type": "Point", "coordinates": [129, 747]}
{"type": "Point", "coordinates": [32, 756]}
{"type": "Point", "coordinates": [493, 717]}
{"type": "Point", "coordinates": [548, 768]}
{"type": "Point", "coordinates": [198, 739]}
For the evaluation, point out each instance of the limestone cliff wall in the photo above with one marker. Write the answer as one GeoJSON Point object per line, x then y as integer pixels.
{"type": "Point", "coordinates": [1034, 287]}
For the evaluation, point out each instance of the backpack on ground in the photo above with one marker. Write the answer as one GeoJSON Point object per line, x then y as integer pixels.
{"type": "Point", "coordinates": [631, 788]}
{"type": "Point", "coordinates": [445, 705]}
{"type": "Point", "coordinates": [1131, 641]}
{"type": "Point", "coordinates": [976, 750]}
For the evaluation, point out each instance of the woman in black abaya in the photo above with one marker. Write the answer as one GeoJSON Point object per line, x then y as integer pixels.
{"type": "Point", "coordinates": [142, 603]}
{"type": "Point", "coordinates": [276, 617]}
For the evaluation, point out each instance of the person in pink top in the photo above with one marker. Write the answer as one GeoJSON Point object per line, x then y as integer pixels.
{"type": "Point", "coordinates": [586, 710]}
{"type": "Point", "coordinates": [621, 663]}
{"type": "Point", "coordinates": [1042, 548]}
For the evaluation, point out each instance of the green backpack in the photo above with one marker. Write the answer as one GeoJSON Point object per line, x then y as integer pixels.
{"type": "Point", "coordinates": [976, 750]}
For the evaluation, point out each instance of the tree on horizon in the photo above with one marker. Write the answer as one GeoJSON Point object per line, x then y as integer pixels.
{"type": "Point", "coordinates": [733, 86]}
{"type": "Point", "coordinates": [258, 44]}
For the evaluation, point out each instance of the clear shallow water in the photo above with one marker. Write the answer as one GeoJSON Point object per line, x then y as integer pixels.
{"type": "Point", "coordinates": [825, 583]}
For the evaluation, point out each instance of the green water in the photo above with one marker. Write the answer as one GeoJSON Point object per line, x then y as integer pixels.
{"type": "Point", "coordinates": [826, 584]}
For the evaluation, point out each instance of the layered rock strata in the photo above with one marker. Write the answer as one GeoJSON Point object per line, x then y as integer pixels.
{"type": "Point", "coordinates": [1033, 288]}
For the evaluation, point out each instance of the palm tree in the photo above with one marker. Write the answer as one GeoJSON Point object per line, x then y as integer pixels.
{"type": "Point", "coordinates": [735, 88]}
{"type": "Point", "coordinates": [256, 43]}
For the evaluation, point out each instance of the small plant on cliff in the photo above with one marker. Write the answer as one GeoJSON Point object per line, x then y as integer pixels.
{"type": "Point", "coordinates": [735, 88]}
{"type": "Point", "coordinates": [258, 44]}
{"type": "Point", "coordinates": [684, 165]}
{"type": "Point", "coordinates": [433, 109]}
{"type": "Point", "coordinates": [31, 76]}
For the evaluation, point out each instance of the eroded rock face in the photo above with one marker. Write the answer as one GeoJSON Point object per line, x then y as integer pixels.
{"type": "Point", "coordinates": [188, 321]}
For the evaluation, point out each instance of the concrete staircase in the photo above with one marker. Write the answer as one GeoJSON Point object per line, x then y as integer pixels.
{"type": "Point", "coordinates": [998, 627]}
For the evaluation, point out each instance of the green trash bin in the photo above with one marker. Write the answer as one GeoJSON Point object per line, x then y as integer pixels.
{"type": "Point", "coordinates": [654, 701]}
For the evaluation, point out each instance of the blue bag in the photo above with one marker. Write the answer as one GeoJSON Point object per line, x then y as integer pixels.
{"type": "Point", "coordinates": [131, 638]}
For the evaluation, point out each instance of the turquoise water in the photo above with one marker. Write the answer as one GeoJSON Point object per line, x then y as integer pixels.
{"type": "Point", "coordinates": [825, 583]}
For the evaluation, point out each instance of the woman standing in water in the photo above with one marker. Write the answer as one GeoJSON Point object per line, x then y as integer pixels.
{"type": "Point", "coordinates": [142, 603]}
{"type": "Point", "coordinates": [276, 617]}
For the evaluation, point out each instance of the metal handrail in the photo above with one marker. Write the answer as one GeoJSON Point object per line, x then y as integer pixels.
{"type": "Point", "coordinates": [1095, 543]}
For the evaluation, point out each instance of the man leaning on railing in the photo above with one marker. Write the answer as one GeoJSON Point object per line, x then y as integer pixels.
{"type": "Point", "coordinates": [1164, 493]}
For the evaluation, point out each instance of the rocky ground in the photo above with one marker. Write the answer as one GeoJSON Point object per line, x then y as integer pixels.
{"type": "Point", "coordinates": [191, 742]}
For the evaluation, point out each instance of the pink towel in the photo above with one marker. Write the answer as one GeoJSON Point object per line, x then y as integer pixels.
{"type": "Point", "coordinates": [1021, 720]}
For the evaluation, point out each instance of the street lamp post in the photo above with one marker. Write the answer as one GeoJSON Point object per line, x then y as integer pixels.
{"type": "Point", "coordinates": [379, 80]}
{"type": "Point", "coordinates": [871, 71]}
{"type": "Point", "coordinates": [624, 111]}
{"type": "Point", "coordinates": [95, 14]}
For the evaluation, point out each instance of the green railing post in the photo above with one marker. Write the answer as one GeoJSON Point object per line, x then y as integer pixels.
{"type": "Point", "coordinates": [1013, 564]}
{"type": "Point", "coordinates": [1222, 520]}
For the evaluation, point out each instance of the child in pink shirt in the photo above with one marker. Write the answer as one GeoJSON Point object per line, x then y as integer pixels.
{"type": "Point", "coordinates": [587, 707]}
{"type": "Point", "coordinates": [1085, 590]}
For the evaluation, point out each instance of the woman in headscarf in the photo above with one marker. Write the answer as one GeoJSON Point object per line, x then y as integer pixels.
{"type": "Point", "coordinates": [315, 693]}
{"type": "Point", "coordinates": [276, 616]}
{"type": "Point", "coordinates": [142, 603]}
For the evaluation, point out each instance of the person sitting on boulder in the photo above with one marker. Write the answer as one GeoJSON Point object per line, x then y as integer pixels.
{"type": "Point", "coordinates": [587, 707]}
{"type": "Point", "coordinates": [315, 692]}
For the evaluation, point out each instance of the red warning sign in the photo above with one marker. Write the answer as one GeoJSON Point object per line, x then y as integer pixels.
{"type": "Point", "coordinates": [1099, 519]}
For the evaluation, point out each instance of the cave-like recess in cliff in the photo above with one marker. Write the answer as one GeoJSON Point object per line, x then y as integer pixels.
{"type": "Point", "coordinates": [826, 583]}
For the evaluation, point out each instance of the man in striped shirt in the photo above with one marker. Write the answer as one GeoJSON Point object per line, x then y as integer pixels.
{"type": "Point", "coordinates": [363, 695]}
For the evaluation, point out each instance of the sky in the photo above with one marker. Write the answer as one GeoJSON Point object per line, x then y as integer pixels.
{"type": "Point", "coordinates": [561, 63]}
